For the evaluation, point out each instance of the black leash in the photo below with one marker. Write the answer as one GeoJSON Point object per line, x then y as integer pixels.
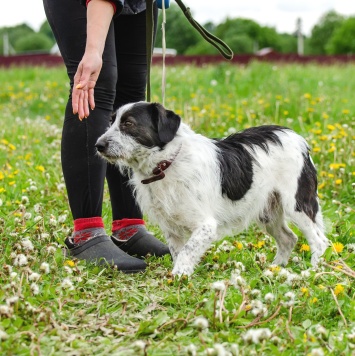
{"type": "Point", "coordinates": [221, 46]}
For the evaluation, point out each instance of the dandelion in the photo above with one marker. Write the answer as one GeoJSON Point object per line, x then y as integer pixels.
{"type": "Point", "coordinates": [191, 350]}
{"type": "Point", "coordinates": [25, 200]}
{"type": "Point", "coordinates": [3, 335]}
{"type": "Point", "coordinates": [339, 289]}
{"type": "Point", "coordinates": [40, 168]}
{"type": "Point", "coordinates": [338, 247]}
{"type": "Point", "coordinates": [45, 267]}
{"type": "Point", "coordinates": [69, 263]}
{"type": "Point", "coordinates": [201, 323]}
{"type": "Point", "coordinates": [219, 350]}
{"type": "Point", "coordinates": [67, 284]}
{"type": "Point", "coordinates": [6, 310]}
{"type": "Point", "coordinates": [317, 352]}
{"type": "Point", "coordinates": [305, 291]}
{"type": "Point", "coordinates": [255, 336]}
{"type": "Point", "coordinates": [52, 220]}
{"type": "Point", "coordinates": [219, 286]}
{"type": "Point", "coordinates": [38, 208]}
{"type": "Point", "coordinates": [27, 244]}
{"type": "Point", "coordinates": [34, 276]}
{"type": "Point", "coordinates": [269, 297]}
{"type": "Point", "coordinates": [20, 260]}
{"type": "Point", "coordinates": [140, 345]}
{"type": "Point", "coordinates": [12, 300]}
{"type": "Point", "coordinates": [305, 248]}
{"type": "Point", "coordinates": [238, 245]}
{"type": "Point", "coordinates": [34, 288]}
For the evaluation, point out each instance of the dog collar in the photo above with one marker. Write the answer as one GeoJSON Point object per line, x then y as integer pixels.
{"type": "Point", "coordinates": [158, 171]}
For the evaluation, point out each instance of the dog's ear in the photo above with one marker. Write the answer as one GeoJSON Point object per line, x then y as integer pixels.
{"type": "Point", "coordinates": [167, 122]}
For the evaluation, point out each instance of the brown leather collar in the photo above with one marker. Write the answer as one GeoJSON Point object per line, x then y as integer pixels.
{"type": "Point", "coordinates": [158, 171]}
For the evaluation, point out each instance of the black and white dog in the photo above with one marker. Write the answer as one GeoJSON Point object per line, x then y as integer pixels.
{"type": "Point", "coordinates": [199, 189]}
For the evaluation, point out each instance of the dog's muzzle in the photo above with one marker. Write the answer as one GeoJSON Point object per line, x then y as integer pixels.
{"type": "Point", "coordinates": [101, 146]}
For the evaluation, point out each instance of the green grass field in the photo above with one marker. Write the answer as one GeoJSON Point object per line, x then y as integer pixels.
{"type": "Point", "coordinates": [235, 303]}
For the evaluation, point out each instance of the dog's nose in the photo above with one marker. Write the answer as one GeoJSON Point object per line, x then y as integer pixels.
{"type": "Point", "coordinates": [101, 145]}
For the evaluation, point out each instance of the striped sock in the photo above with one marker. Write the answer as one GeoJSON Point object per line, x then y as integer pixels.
{"type": "Point", "coordinates": [87, 228]}
{"type": "Point", "coordinates": [124, 229]}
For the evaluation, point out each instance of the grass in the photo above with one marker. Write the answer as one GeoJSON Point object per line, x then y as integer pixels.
{"type": "Point", "coordinates": [236, 302]}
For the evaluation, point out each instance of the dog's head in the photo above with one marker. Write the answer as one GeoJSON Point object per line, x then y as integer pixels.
{"type": "Point", "coordinates": [138, 127]}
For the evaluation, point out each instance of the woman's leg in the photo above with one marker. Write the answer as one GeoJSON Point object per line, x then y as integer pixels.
{"type": "Point", "coordinates": [84, 172]}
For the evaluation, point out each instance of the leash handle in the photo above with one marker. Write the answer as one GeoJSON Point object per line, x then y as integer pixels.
{"type": "Point", "coordinates": [221, 46]}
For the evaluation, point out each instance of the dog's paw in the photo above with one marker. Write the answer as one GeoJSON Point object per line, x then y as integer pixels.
{"type": "Point", "coordinates": [182, 270]}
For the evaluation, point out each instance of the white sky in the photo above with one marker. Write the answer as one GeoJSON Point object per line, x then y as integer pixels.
{"type": "Point", "coordinates": [281, 14]}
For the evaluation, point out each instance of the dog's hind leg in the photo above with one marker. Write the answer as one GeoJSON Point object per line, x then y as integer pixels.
{"type": "Point", "coordinates": [200, 240]}
{"type": "Point", "coordinates": [314, 233]}
{"type": "Point", "coordinates": [285, 239]}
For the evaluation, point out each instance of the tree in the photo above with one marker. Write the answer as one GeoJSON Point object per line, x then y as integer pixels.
{"type": "Point", "coordinates": [33, 42]}
{"type": "Point", "coordinates": [46, 30]}
{"type": "Point", "coordinates": [323, 31]}
{"type": "Point", "coordinates": [343, 39]}
{"type": "Point", "coordinates": [179, 33]}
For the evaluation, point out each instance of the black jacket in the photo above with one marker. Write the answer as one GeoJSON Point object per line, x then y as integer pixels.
{"type": "Point", "coordinates": [126, 7]}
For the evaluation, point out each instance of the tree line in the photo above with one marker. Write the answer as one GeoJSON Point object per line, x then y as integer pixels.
{"type": "Point", "coordinates": [332, 34]}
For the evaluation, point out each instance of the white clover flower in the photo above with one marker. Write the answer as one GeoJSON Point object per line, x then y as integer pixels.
{"type": "Point", "coordinates": [305, 274]}
{"type": "Point", "coordinates": [38, 208]}
{"type": "Point", "coordinates": [255, 292]}
{"type": "Point", "coordinates": [34, 276]}
{"type": "Point", "coordinates": [27, 244]}
{"type": "Point", "coordinates": [20, 260]}
{"type": "Point", "coordinates": [37, 218]}
{"type": "Point", "coordinates": [269, 274]}
{"type": "Point", "coordinates": [317, 352]}
{"type": "Point", "coordinates": [240, 266]}
{"type": "Point", "coordinates": [51, 250]}
{"type": "Point", "coordinates": [12, 300]}
{"type": "Point", "coordinates": [296, 259]}
{"type": "Point", "coordinates": [213, 82]}
{"type": "Point", "coordinates": [191, 350]}
{"type": "Point", "coordinates": [62, 218]}
{"type": "Point", "coordinates": [52, 220]}
{"type": "Point", "coordinates": [269, 297]}
{"type": "Point", "coordinates": [219, 285]}
{"type": "Point", "coordinates": [5, 310]}
{"type": "Point", "coordinates": [45, 267]}
{"type": "Point", "coordinates": [201, 323]}
{"type": "Point", "coordinates": [67, 284]}
{"type": "Point", "coordinates": [33, 188]}
{"type": "Point", "coordinates": [3, 335]}
{"type": "Point", "coordinates": [13, 275]}
{"type": "Point", "coordinates": [27, 216]}
{"type": "Point", "coordinates": [25, 200]}
{"type": "Point", "coordinates": [34, 288]}
{"type": "Point", "coordinates": [255, 336]}
{"type": "Point", "coordinates": [140, 345]}
{"type": "Point", "coordinates": [220, 350]}
{"type": "Point", "coordinates": [60, 186]}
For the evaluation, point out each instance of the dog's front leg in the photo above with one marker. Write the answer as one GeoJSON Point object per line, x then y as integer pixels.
{"type": "Point", "coordinates": [175, 243]}
{"type": "Point", "coordinates": [200, 240]}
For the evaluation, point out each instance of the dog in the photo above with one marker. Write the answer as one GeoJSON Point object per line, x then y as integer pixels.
{"type": "Point", "coordinates": [198, 189]}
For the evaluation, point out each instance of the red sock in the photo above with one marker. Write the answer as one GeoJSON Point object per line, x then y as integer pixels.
{"type": "Point", "coordinates": [86, 228]}
{"type": "Point", "coordinates": [124, 229]}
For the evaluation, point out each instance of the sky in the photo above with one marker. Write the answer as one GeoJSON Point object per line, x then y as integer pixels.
{"type": "Point", "coordinates": [280, 14]}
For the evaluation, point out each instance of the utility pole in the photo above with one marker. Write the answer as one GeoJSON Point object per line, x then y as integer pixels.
{"type": "Point", "coordinates": [300, 45]}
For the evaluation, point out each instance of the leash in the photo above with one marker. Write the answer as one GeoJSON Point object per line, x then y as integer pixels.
{"type": "Point", "coordinates": [221, 46]}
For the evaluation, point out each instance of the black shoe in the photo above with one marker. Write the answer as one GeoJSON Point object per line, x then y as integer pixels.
{"type": "Point", "coordinates": [141, 244]}
{"type": "Point", "coordinates": [103, 251]}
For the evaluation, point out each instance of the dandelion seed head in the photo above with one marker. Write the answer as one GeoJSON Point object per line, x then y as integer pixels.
{"type": "Point", "coordinates": [34, 288]}
{"type": "Point", "coordinates": [34, 276]}
{"type": "Point", "coordinates": [45, 267]}
{"type": "Point", "coordinates": [67, 284]}
{"type": "Point", "coordinates": [269, 297]}
{"type": "Point", "coordinates": [255, 336]}
{"type": "Point", "coordinates": [219, 285]}
{"type": "Point", "coordinates": [27, 244]}
{"type": "Point", "coordinates": [20, 260]}
{"type": "Point", "coordinates": [201, 323]}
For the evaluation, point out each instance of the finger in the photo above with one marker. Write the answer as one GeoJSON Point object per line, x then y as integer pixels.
{"type": "Point", "coordinates": [76, 91]}
{"type": "Point", "coordinates": [81, 105]}
{"type": "Point", "coordinates": [91, 99]}
{"type": "Point", "coordinates": [86, 104]}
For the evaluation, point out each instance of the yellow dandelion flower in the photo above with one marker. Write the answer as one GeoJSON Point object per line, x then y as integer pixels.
{"type": "Point", "coordinates": [275, 269]}
{"type": "Point", "coordinates": [12, 182]}
{"type": "Point", "coordinates": [331, 149]}
{"type": "Point", "coordinates": [321, 286]}
{"type": "Point", "coordinates": [2, 176]}
{"type": "Point", "coordinates": [346, 112]}
{"type": "Point", "coordinates": [285, 112]}
{"type": "Point", "coordinates": [338, 181]}
{"type": "Point", "coordinates": [247, 307]}
{"type": "Point", "coordinates": [310, 109]}
{"type": "Point", "coordinates": [307, 96]}
{"type": "Point", "coordinates": [11, 146]}
{"type": "Point", "coordinates": [238, 245]}
{"type": "Point", "coordinates": [316, 149]}
{"type": "Point", "coordinates": [338, 247]}
{"type": "Point", "coordinates": [331, 127]}
{"type": "Point", "coordinates": [331, 175]}
{"type": "Point", "coordinates": [314, 300]}
{"type": "Point", "coordinates": [305, 248]}
{"type": "Point", "coordinates": [69, 263]}
{"type": "Point", "coordinates": [305, 291]}
{"type": "Point", "coordinates": [321, 186]}
{"type": "Point", "coordinates": [325, 115]}
{"type": "Point", "coordinates": [40, 168]}
{"type": "Point", "coordinates": [339, 289]}
{"type": "Point", "coordinates": [259, 244]}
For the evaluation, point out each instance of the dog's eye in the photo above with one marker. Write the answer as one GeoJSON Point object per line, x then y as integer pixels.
{"type": "Point", "coordinates": [127, 123]}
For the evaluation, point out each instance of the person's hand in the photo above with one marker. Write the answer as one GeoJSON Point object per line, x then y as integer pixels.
{"type": "Point", "coordinates": [84, 83]}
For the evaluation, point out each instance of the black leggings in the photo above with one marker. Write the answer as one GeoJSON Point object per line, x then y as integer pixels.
{"type": "Point", "coordinates": [122, 80]}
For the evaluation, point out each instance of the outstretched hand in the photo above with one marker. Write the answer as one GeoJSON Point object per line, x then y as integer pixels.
{"type": "Point", "coordinates": [84, 83]}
